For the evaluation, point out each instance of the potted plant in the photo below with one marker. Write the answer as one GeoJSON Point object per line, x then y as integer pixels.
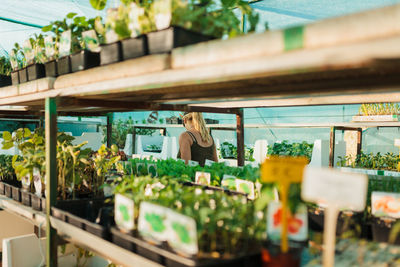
{"type": "Point", "coordinates": [18, 64]}
{"type": "Point", "coordinates": [34, 47]}
{"type": "Point", "coordinates": [5, 71]}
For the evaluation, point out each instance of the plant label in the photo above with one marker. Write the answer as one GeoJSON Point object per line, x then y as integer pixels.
{"type": "Point", "coordinates": [134, 24]}
{"type": "Point", "coordinates": [91, 41]}
{"type": "Point", "coordinates": [153, 222]}
{"type": "Point", "coordinates": [385, 204]}
{"type": "Point", "coordinates": [344, 190]}
{"type": "Point", "coordinates": [26, 181]}
{"type": "Point", "coordinates": [193, 163]}
{"type": "Point", "coordinates": [141, 169]}
{"type": "Point", "coordinates": [209, 163]}
{"type": "Point", "coordinates": [65, 44]}
{"type": "Point", "coordinates": [182, 233]}
{"type": "Point", "coordinates": [247, 187]}
{"type": "Point", "coordinates": [162, 13]}
{"type": "Point", "coordinates": [49, 46]}
{"type": "Point", "coordinates": [203, 178]}
{"type": "Point", "coordinates": [28, 52]}
{"type": "Point", "coordinates": [297, 223]}
{"type": "Point", "coordinates": [229, 181]}
{"type": "Point", "coordinates": [37, 182]}
{"type": "Point", "coordinates": [124, 212]}
{"type": "Point", "coordinates": [112, 16]}
{"type": "Point", "coordinates": [152, 170]}
{"type": "Point", "coordinates": [13, 60]}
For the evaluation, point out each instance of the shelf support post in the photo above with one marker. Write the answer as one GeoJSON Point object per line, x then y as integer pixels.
{"type": "Point", "coordinates": [110, 118]}
{"type": "Point", "coordinates": [240, 137]}
{"type": "Point", "coordinates": [51, 178]}
{"type": "Point", "coordinates": [332, 146]}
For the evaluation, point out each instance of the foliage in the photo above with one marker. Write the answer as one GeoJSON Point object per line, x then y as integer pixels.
{"type": "Point", "coordinates": [379, 109]}
{"type": "Point", "coordinates": [294, 149]}
{"type": "Point", "coordinates": [5, 66]}
{"type": "Point", "coordinates": [104, 160]}
{"type": "Point", "coordinates": [7, 172]}
{"type": "Point", "coordinates": [388, 161]}
{"type": "Point", "coordinates": [229, 151]}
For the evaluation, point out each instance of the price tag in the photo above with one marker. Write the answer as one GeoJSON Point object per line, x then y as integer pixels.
{"type": "Point", "coordinates": [13, 60]}
{"type": "Point", "coordinates": [193, 163]}
{"type": "Point", "coordinates": [124, 212]}
{"type": "Point", "coordinates": [247, 187]}
{"type": "Point", "coordinates": [141, 169]}
{"type": "Point", "coordinates": [182, 233]}
{"type": "Point", "coordinates": [153, 222]}
{"type": "Point", "coordinates": [134, 14]}
{"type": "Point", "coordinates": [65, 43]}
{"type": "Point", "coordinates": [91, 41]}
{"type": "Point", "coordinates": [385, 204]}
{"type": "Point", "coordinates": [49, 46]}
{"type": "Point", "coordinates": [337, 190]}
{"type": "Point", "coordinates": [203, 178]}
{"type": "Point", "coordinates": [152, 170]}
{"type": "Point", "coordinates": [37, 182]}
{"type": "Point", "coordinates": [297, 223]}
{"type": "Point", "coordinates": [208, 163]}
{"type": "Point", "coordinates": [28, 52]}
{"type": "Point", "coordinates": [229, 182]}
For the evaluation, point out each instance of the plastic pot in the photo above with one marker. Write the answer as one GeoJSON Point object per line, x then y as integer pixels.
{"type": "Point", "coordinates": [381, 227]}
{"type": "Point", "coordinates": [64, 65]}
{"type": "Point", "coordinates": [36, 71]}
{"type": "Point", "coordinates": [2, 188]}
{"type": "Point", "coordinates": [16, 193]}
{"type": "Point", "coordinates": [84, 60]}
{"type": "Point", "coordinates": [23, 75]}
{"type": "Point", "coordinates": [110, 53]}
{"type": "Point", "coordinates": [26, 198]}
{"type": "Point", "coordinates": [134, 47]}
{"type": "Point", "coordinates": [51, 68]}
{"type": "Point", "coordinates": [15, 77]}
{"type": "Point", "coordinates": [5, 80]}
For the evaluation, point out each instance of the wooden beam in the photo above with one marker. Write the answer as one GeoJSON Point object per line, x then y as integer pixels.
{"type": "Point", "coordinates": [110, 118]}
{"type": "Point", "coordinates": [240, 137]}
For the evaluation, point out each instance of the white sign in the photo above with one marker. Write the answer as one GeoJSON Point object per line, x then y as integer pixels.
{"type": "Point", "coordinates": [193, 163]}
{"type": "Point", "coordinates": [385, 204]}
{"type": "Point", "coordinates": [182, 233]}
{"type": "Point", "coordinates": [152, 223]}
{"type": "Point", "coordinates": [344, 190]}
{"type": "Point", "coordinates": [65, 43]}
{"type": "Point", "coordinates": [203, 178]}
{"type": "Point", "coordinates": [162, 13]}
{"type": "Point", "coordinates": [209, 162]}
{"type": "Point", "coordinates": [124, 212]}
{"type": "Point", "coordinates": [247, 187]}
{"type": "Point", "coordinates": [91, 41]}
{"type": "Point", "coordinates": [37, 182]}
{"type": "Point", "coordinates": [229, 181]}
{"type": "Point", "coordinates": [28, 51]}
{"type": "Point", "coordinates": [49, 46]}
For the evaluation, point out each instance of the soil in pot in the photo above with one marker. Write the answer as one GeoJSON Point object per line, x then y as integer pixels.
{"type": "Point", "coordinates": [23, 75]}
{"type": "Point", "coordinates": [165, 40]}
{"type": "Point", "coordinates": [15, 77]}
{"type": "Point", "coordinates": [36, 71]}
{"type": "Point", "coordinates": [110, 53]}
{"type": "Point", "coordinates": [84, 60]}
{"type": "Point", "coordinates": [64, 65]}
{"type": "Point", "coordinates": [5, 80]}
{"type": "Point", "coordinates": [51, 68]}
{"type": "Point", "coordinates": [134, 47]}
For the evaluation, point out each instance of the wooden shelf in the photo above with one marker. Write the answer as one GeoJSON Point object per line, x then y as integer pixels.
{"type": "Point", "coordinates": [35, 217]}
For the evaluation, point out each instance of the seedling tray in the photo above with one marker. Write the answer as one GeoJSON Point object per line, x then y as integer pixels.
{"type": "Point", "coordinates": [15, 77]}
{"type": "Point", "coordinates": [5, 80]}
{"type": "Point", "coordinates": [51, 68]}
{"type": "Point", "coordinates": [134, 47]}
{"type": "Point", "coordinates": [26, 198]}
{"type": "Point", "coordinates": [23, 75]}
{"type": "Point", "coordinates": [64, 65]}
{"type": "Point", "coordinates": [83, 214]}
{"type": "Point", "coordinates": [162, 254]}
{"type": "Point", "coordinates": [36, 71]}
{"type": "Point", "coordinates": [165, 40]}
{"type": "Point", "coordinates": [84, 60]}
{"type": "Point", "coordinates": [381, 227]}
{"type": "Point", "coordinates": [2, 188]}
{"type": "Point", "coordinates": [110, 53]}
{"type": "Point", "coordinates": [16, 193]}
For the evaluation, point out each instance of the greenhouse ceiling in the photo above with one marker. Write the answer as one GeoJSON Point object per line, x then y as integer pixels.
{"type": "Point", "coordinates": [22, 18]}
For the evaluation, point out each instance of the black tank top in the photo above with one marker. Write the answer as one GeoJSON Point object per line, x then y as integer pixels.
{"type": "Point", "coordinates": [200, 153]}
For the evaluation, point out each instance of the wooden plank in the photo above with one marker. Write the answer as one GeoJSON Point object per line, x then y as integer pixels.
{"type": "Point", "coordinates": [8, 91]}
{"type": "Point", "coordinates": [128, 68]}
{"type": "Point", "coordinates": [39, 85]}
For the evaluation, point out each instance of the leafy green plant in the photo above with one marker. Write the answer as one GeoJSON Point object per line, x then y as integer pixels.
{"type": "Point", "coordinates": [293, 149]}
{"type": "Point", "coordinates": [105, 160]}
{"type": "Point", "coordinates": [379, 109]}
{"type": "Point", "coordinates": [5, 66]}
{"type": "Point", "coordinates": [388, 161]}
{"type": "Point", "coordinates": [229, 151]}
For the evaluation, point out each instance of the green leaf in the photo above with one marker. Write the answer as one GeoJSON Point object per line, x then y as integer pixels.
{"type": "Point", "coordinates": [8, 145]}
{"type": "Point", "coordinates": [47, 28]}
{"type": "Point", "coordinates": [72, 14]}
{"type": "Point", "coordinates": [7, 136]}
{"type": "Point", "coordinates": [98, 4]}
{"type": "Point", "coordinates": [27, 132]}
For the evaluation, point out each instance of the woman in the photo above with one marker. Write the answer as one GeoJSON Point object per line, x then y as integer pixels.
{"type": "Point", "coordinates": [196, 143]}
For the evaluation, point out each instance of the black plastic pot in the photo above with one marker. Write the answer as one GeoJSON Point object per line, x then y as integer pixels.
{"type": "Point", "coordinates": [84, 60]}
{"type": "Point", "coordinates": [381, 227]}
{"type": "Point", "coordinates": [16, 193]}
{"type": "Point", "coordinates": [23, 75]}
{"type": "Point", "coordinates": [51, 68]}
{"type": "Point", "coordinates": [165, 40]}
{"type": "Point", "coordinates": [36, 202]}
{"type": "Point", "coordinates": [134, 47]}
{"type": "Point", "coordinates": [15, 77]}
{"type": "Point", "coordinates": [2, 188]}
{"type": "Point", "coordinates": [110, 53]}
{"type": "Point", "coordinates": [273, 257]}
{"type": "Point", "coordinates": [5, 80]}
{"type": "Point", "coordinates": [8, 190]}
{"type": "Point", "coordinates": [36, 71]}
{"type": "Point", "coordinates": [26, 198]}
{"type": "Point", "coordinates": [122, 240]}
{"type": "Point", "coordinates": [64, 65]}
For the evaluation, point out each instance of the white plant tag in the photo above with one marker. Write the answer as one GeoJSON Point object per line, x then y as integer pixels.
{"type": "Point", "coordinates": [152, 223]}
{"type": "Point", "coordinates": [344, 190]}
{"type": "Point", "coordinates": [203, 178]}
{"type": "Point", "coordinates": [152, 170]}
{"type": "Point", "coordinates": [163, 13]}
{"type": "Point", "coordinates": [247, 187]}
{"type": "Point", "coordinates": [228, 181]}
{"type": "Point", "coordinates": [208, 163]}
{"type": "Point", "coordinates": [49, 46]}
{"type": "Point", "coordinates": [193, 163]}
{"type": "Point", "coordinates": [134, 14]}
{"type": "Point", "coordinates": [65, 44]}
{"type": "Point", "coordinates": [124, 212]}
{"type": "Point", "coordinates": [91, 41]}
{"type": "Point", "coordinates": [297, 223]}
{"type": "Point", "coordinates": [28, 52]}
{"type": "Point", "coordinates": [141, 169]}
{"type": "Point", "coordinates": [182, 233]}
{"type": "Point", "coordinates": [26, 181]}
{"type": "Point", "coordinates": [385, 204]}
{"type": "Point", "coordinates": [37, 182]}
{"type": "Point", "coordinates": [13, 60]}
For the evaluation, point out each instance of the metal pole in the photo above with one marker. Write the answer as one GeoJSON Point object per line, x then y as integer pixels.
{"type": "Point", "coordinates": [51, 178]}
{"type": "Point", "coordinates": [240, 137]}
{"type": "Point", "coordinates": [109, 129]}
{"type": "Point", "coordinates": [332, 147]}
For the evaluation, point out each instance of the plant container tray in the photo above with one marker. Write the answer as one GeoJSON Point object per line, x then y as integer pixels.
{"type": "Point", "coordinates": [163, 255]}
{"type": "Point", "coordinates": [377, 118]}
{"type": "Point", "coordinates": [2, 188]}
{"type": "Point", "coordinates": [84, 214]}
{"type": "Point", "coordinates": [36, 71]}
{"type": "Point", "coordinates": [165, 40]}
{"type": "Point", "coordinates": [8, 190]}
{"type": "Point", "coordinates": [51, 68]}
{"type": "Point", "coordinates": [37, 202]}
{"type": "Point", "coordinates": [381, 227]}
{"type": "Point", "coordinates": [26, 198]}
{"type": "Point", "coordinates": [16, 193]}
{"type": "Point", "coordinates": [64, 65]}
{"type": "Point", "coordinates": [134, 47]}
{"type": "Point", "coordinates": [23, 75]}
{"type": "Point", "coordinates": [5, 80]}
{"type": "Point", "coordinates": [84, 60]}
{"type": "Point", "coordinates": [110, 53]}
{"type": "Point", "coordinates": [15, 77]}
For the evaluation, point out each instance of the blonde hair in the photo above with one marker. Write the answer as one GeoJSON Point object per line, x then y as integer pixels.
{"type": "Point", "coordinates": [199, 125]}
